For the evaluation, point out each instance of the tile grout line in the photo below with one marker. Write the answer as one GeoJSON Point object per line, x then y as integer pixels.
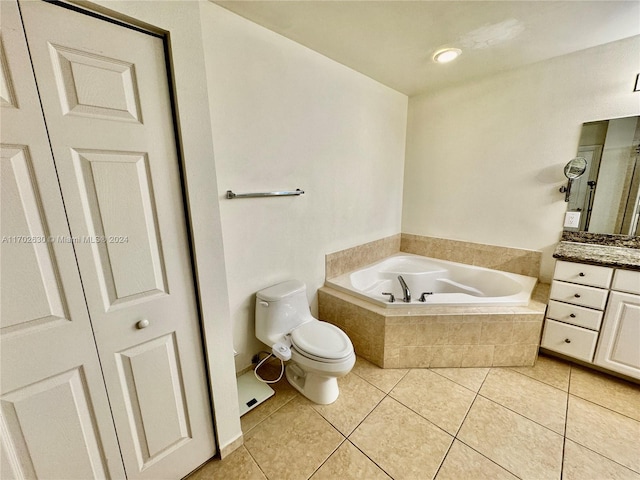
{"type": "Point", "coordinates": [457, 383]}
{"type": "Point", "coordinates": [346, 437]}
{"type": "Point", "coordinates": [465, 418]}
{"type": "Point", "coordinates": [538, 380]}
{"type": "Point", "coordinates": [467, 414]}
{"type": "Point", "coordinates": [277, 409]}
{"type": "Point", "coordinates": [371, 459]}
{"type": "Point", "coordinates": [566, 421]}
{"type": "Point", "coordinates": [455, 436]}
{"type": "Point", "coordinates": [521, 415]}
{"type": "Point", "coordinates": [568, 391]}
{"type": "Point", "coordinates": [604, 407]}
{"type": "Point", "coordinates": [604, 456]}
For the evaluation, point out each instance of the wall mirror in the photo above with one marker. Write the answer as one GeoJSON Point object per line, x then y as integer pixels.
{"type": "Point", "coordinates": [607, 195]}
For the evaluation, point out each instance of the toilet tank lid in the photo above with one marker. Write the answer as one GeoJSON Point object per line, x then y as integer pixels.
{"type": "Point", "coordinates": [281, 290]}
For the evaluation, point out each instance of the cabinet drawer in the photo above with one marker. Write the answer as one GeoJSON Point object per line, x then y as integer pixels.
{"type": "Point", "coordinates": [626, 281]}
{"type": "Point", "coordinates": [580, 316]}
{"type": "Point", "coordinates": [578, 294]}
{"type": "Point", "coordinates": [569, 340]}
{"type": "Point", "coordinates": [583, 274]}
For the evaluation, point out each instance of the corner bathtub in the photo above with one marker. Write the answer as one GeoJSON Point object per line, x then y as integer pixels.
{"type": "Point", "coordinates": [450, 283]}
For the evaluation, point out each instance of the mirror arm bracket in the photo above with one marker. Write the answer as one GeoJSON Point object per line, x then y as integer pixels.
{"type": "Point", "coordinates": [567, 190]}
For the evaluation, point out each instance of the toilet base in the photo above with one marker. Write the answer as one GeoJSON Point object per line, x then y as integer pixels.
{"type": "Point", "coordinates": [317, 388]}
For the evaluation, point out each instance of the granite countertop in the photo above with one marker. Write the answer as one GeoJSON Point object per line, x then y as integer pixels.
{"type": "Point", "coordinates": [604, 255]}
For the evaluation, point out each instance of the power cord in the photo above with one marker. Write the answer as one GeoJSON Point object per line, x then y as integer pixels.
{"type": "Point", "coordinates": [255, 371]}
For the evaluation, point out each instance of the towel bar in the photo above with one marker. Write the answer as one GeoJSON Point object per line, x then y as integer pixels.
{"type": "Point", "coordinates": [296, 192]}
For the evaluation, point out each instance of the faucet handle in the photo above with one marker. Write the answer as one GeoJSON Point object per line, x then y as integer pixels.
{"type": "Point", "coordinates": [392, 297]}
{"type": "Point", "coordinates": [423, 297]}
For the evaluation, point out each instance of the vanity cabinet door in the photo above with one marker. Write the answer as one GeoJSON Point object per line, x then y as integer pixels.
{"type": "Point", "coordinates": [618, 348]}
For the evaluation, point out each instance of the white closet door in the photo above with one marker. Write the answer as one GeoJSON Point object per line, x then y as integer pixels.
{"type": "Point", "coordinates": [55, 420]}
{"type": "Point", "coordinates": [106, 102]}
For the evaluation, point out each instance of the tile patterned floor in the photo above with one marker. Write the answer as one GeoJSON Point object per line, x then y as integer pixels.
{"type": "Point", "coordinates": [551, 421]}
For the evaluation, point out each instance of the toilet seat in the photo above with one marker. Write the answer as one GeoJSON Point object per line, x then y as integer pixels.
{"type": "Point", "coordinates": [321, 341]}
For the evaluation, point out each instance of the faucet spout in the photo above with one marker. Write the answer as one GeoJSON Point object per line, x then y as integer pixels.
{"type": "Point", "coordinates": [405, 290]}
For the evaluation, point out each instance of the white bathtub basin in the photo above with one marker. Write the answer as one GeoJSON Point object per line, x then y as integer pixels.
{"type": "Point", "coordinates": [448, 283]}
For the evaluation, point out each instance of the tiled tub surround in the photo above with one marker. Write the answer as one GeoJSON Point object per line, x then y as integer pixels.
{"type": "Point", "coordinates": [514, 260]}
{"type": "Point", "coordinates": [438, 336]}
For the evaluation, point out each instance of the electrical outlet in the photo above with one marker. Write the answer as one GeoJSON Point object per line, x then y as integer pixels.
{"type": "Point", "coordinates": [572, 219]}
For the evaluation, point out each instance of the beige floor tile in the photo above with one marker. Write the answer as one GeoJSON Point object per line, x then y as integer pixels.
{"type": "Point", "coordinates": [357, 399]}
{"type": "Point", "coordinates": [524, 448]}
{"type": "Point", "coordinates": [284, 394]}
{"type": "Point", "coordinates": [604, 431]}
{"type": "Point", "coordinates": [530, 398]}
{"type": "Point", "coordinates": [463, 462]}
{"type": "Point", "coordinates": [436, 398]}
{"type": "Point", "coordinates": [293, 442]}
{"type": "Point", "coordinates": [580, 463]}
{"type": "Point", "coordinates": [349, 463]}
{"type": "Point", "coordinates": [607, 391]}
{"type": "Point", "coordinates": [549, 370]}
{"type": "Point", "coordinates": [383, 378]}
{"type": "Point", "coordinates": [471, 378]}
{"type": "Point", "coordinates": [401, 442]}
{"type": "Point", "coordinates": [237, 466]}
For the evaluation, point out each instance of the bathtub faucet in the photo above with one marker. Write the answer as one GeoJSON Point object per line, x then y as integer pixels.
{"type": "Point", "coordinates": [405, 290]}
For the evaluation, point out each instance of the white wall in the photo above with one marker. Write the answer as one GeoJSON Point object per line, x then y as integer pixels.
{"type": "Point", "coordinates": [286, 117]}
{"type": "Point", "coordinates": [485, 160]}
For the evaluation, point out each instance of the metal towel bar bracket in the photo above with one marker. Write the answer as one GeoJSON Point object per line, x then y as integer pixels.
{"type": "Point", "coordinates": [296, 192]}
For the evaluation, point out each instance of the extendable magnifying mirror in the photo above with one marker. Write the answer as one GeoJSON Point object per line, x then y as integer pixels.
{"type": "Point", "coordinates": [574, 168]}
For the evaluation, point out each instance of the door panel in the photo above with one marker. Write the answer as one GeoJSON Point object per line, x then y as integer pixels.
{"type": "Point", "coordinates": [54, 420]}
{"type": "Point", "coordinates": [119, 174]}
{"type": "Point", "coordinates": [7, 94]}
{"type": "Point", "coordinates": [32, 297]}
{"type": "Point", "coordinates": [53, 402]}
{"type": "Point", "coordinates": [95, 86]}
{"type": "Point", "coordinates": [155, 402]}
{"type": "Point", "coordinates": [118, 203]}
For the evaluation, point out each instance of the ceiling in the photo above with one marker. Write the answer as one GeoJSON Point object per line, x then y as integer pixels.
{"type": "Point", "coordinates": [393, 41]}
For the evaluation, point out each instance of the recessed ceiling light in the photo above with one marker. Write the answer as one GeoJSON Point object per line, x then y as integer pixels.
{"type": "Point", "coordinates": [446, 55]}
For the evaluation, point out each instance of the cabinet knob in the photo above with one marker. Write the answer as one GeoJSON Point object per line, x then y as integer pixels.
{"type": "Point", "coordinates": [577, 295]}
{"type": "Point", "coordinates": [144, 323]}
{"type": "Point", "coordinates": [573, 315]}
{"type": "Point", "coordinates": [566, 340]}
{"type": "Point", "coordinates": [581, 274]}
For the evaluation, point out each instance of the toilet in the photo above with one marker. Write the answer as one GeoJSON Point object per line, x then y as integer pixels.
{"type": "Point", "coordinates": [319, 352]}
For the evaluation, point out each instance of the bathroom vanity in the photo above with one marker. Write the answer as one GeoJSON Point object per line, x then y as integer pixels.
{"type": "Point", "coordinates": [593, 313]}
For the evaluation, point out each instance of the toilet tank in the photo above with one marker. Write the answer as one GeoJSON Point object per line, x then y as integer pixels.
{"type": "Point", "coordinates": [279, 309]}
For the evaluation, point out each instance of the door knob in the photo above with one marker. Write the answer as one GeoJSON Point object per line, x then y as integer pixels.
{"type": "Point", "coordinates": [144, 323]}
